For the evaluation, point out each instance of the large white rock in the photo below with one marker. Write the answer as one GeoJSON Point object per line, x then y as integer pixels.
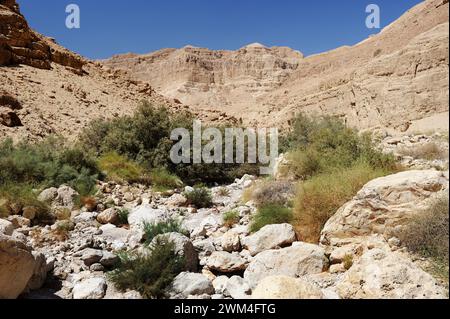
{"type": "Point", "coordinates": [237, 288]}
{"type": "Point", "coordinates": [225, 262]}
{"type": "Point", "coordinates": [231, 241]}
{"type": "Point", "coordinates": [269, 237]}
{"type": "Point", "coordinates": [284, 287]}
{"type": "Point", "coordinates": [188, 284]}
{"type": "Point", "coordinates": [6, 227]}
{"type": "Point", "coordinates": [17, 265]}
{"type": "Point", "coordinates": [381, 274]}
{"type": "Point", "coordinates": [296, 261]}
{"type": "Point", "coordinates": [91, 288]}
{"type": "Point", "coordinates": [383, 204]}
{"type": "Point", "coordinates": [146, 214]}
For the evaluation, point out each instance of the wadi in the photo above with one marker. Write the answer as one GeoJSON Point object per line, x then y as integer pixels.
{"type": "Point", "coordinates": [339, 189]}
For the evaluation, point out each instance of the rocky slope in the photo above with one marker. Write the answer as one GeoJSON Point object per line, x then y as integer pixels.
{"type": "Point", "coordinates": [396, 79]}
{"type": "Point", "coordinates": [46, 89]}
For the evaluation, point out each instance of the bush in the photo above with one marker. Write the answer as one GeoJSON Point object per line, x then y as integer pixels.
{"type": "Point", "coordinates": [149, 273]}
{"type": "Point", "coordinates": [223, 192]}
{"type": "Point", "coordinates": [231, 218]}
{"type": "Point", "coordinates": [428, 235]}
{"type": "Point", "coordinates": [324, 144]}
{"type": "Point", "coordinates": [320, 197]}
{"type": "Point", "coordinates": [200, 197]}
{"type": "Point", "coordinates": [145, 139]}
{"type": "Point", "coordinates": [163, 180]}
{"type": "Point", "coordinates": [47, 164]}
{"type": "Point", "coordinates": [15, 197]}
{"type": "Point", "coordinates": [123, 216]}
{"type": "Point", "coordinates": [272, 193]}
{"type": "Point", "coordinates": [429, 151]}
{"type": "Point", "coordinates": [153, 230]}
{"type": "Point", "coordinates": [268, 215]}
{"type": "Point", "coordinates": [119, 169]}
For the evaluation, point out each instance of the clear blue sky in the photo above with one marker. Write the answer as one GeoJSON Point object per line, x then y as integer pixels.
{"type": "Point", "coordinates": [141, 26]}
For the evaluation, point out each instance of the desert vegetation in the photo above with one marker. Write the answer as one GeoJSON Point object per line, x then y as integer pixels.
{"type": "Point", "coordinates": [329, 162]}
{"type": "Point", "coordinates": [149, 272]}
{"type": "Point", "coordinates": [427, 234]}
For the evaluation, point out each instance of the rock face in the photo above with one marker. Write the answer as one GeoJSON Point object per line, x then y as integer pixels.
{"type": "Point", "coordinates": [283, 287]}
{"type": "Point", "coordinates": [269, 237]}
{"type": "Point", "coordinates": [299, 260]}
{"type": "Point", "coordinates": [201, 77]}
{"type": "Point", "coordinates": [384, 204]}
{"type": "Point", "coordinates": [21, 45]}
{"type": "Point", "coordinates": [379, 274]}
{"type": "Point", "coordinates": [392, 79]}
{"type": "Point", "coordinates": [17, 266]}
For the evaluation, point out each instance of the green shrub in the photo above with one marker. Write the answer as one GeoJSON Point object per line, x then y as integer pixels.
{"type": "Point", "coordinates": [161, 179]}
{"type": "Point", "coordinates": [200, 197]}
{"type": "Point", "coordinates": [120, 169]}
{"type": "Point", "coordinates": [320, 145]}
{"type": "Point", "coordinates": [321, 196]}
{"type": "Point", "coordinates": [170, 226]}
{"type": "Point", "coordinates": [123, 216]}
{"type": "Point", "coordinates": [223, 192]}
{"type": "Point", "coordinates": [149, 273]}
{"type": "Point", "coordinates": [271, 214]}
{"type": "Point", "coordinates": [231, 218]}
{"type": "Point", "coordinates": [428, 235]}
{"type": "Point", "coordinates": [49, 163]}
{"type": "Point", "coordinates": [145, 138]}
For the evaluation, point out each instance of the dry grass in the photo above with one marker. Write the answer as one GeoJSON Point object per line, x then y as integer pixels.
{"type": "Point", "coordinates": [321, 196]}
{"type": "Point", "coordinates": [428, 235]}
{"type": "Point", "coordinates": [429, 151]}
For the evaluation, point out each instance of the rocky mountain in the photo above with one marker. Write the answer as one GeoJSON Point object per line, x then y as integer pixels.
{"type": "Point", "coordinates": [46, 89]}
{"type": "Point", "coordinates": [396, 79]}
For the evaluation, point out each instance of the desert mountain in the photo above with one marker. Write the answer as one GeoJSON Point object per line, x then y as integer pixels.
{"type": "Point", "coordinates": [396, 79]}
{"type": "Point", "coordinates": [46, 89]}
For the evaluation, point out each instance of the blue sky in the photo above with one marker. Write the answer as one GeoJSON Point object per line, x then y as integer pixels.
{"type": "Point", "coordinates": [141, 26]}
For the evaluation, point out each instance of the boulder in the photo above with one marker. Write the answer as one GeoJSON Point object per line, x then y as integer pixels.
{"type": "Point", "coordinates": [108, 216]}
{"type": "Point", "coordinates": [183, 247]}
{"type": "Point", "coordinates": [91, 256]}
{"type": "Point", "coordinates": [91, 288]}
{"type": "Point", "coordinates": [48, 195]}
{"type": "Point", "coordinates": [109, 259]}
{"type": "Point", "coordinates": [269, 237]}
{"type": "Point", "coordinates": [17, 265]}
{"type": "Point", "coordinates": [237, 288]}
{"type": "Point", "coordinates": [66, 197]}
{"type": "Point", "coordinates": [383, 204]}
{"type": "Point", "coordinates": [176, 200]}
{"type": "Point", "coordinates": [189, 284]}
{"type": "Point", "coordinates": [6, 227]}
{"type": "Point", "coordinates": [224, 262]}
{"type": "Point", "coordinates": [231, 241]}
{"type": "Point", "coordinates": [146, 214]}
{"type": "Point", "coordinates": [296, 261]}
{"type": "Point", "coordinates": [284, 287]}
{"type": "Point", "coordinates": [382, 274]}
